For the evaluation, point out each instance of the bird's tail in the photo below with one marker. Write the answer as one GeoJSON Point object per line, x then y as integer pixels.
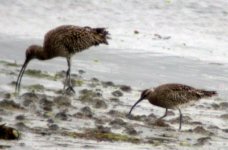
{"type": "Point", "coordinates": [208, 93]}
{"type": "Point", "coordinates": [102, 35]}
{"type": "Point", "coordinates": [101, 31]}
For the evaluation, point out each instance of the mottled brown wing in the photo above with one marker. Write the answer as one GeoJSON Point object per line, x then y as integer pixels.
{"type": "Point", "coordinates": [176, 87]}
{"type": "Point", "coordinates": [176, 94]}
{"type": "Point", "coordinates": [78, 39]}
{"type": "Point", "coordinates": [71, 38]}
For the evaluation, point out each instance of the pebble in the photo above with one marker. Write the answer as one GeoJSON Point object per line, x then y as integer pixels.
{"type": "Point", "coordinates": [46, 104]}
{"type": "Point", "coordinates": [114, 99]}
{"type": "Point", "coordinates": [201, 130]}
{"type": "Point", "coordinates": [29, 98]}
{"type": "Point", "coordinates": [102, 129]}
{"type": "Point", "coordinates": [130, 130]}
{"type": "Point", "coordinates": [53, 127]}
{"type": "Point", "coordinates": [85, 112]}
{"type": "Point", "coordinates": [115, 113]}
{"type": "Point", "coordinates": [201, 141]}
{"type": "Point", "coordinates": [117, 93]}
{"type": "Point", "coordinates": [62, 101]}
{"type": "Point", "coordinates": [108, 84]}
{"type": "Point", "coordinates": [125, 88]}
{"type": "Point", "coordinates": [20, 117]}
{"type": "Point", "coordinates": [224, 116]}
{"type": "Point", "coordinates": [118, 123]}
{"type": "Point", "coordinates": [61, 116]}
{"type": "Point", "coordinates": [9, 104]}
{"type": "Point", "coordinates": [100, 104]}
{"type": "Point", "coordinates": [224, 105]}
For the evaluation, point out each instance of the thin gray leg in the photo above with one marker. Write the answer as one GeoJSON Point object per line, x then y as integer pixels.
{"type": "Point", "coordinates": [166, 111]}
{"type": "Point", "coordinates": [69, 71]}
{"type": "Point", "coordinates": [67, 75]}
{"type": "Point", "coordinates": [180, 119]}
{"type": "Point", "coordinates": [68, 82]}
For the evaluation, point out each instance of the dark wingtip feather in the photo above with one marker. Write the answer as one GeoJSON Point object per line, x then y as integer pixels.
{"type": "Point", "coordinates": [105, 34]}
{"type": "Point", "coordinates": [102, 31]}
{"type": "Point", "coordinates": [210, 93]}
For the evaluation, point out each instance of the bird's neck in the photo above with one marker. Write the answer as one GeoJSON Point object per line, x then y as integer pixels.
{"type": "Point", "coordinates": [41, 54]}
{"type": "Point", "coordinates": [151, 97]}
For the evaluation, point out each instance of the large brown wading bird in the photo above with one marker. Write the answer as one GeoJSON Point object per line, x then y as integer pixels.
{"type": "Point", "coordinates": [173, 96]}
{"type": "Point", "coordinates": [64, 41]}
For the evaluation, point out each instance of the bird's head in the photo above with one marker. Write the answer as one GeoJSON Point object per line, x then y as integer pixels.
{"type": "Point", "coordinates": [144, 95]}
{"type": "Point", "coordinates": [32, 52]}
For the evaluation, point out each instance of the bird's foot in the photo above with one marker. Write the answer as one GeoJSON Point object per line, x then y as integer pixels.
{"type": "Point", "coordinates": [129, 116]}
{"type": "Point", "coordinates": [70, 90]}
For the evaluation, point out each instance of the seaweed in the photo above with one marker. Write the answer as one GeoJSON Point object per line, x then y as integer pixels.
{"type": "Point", "coordinates": [36, 87]}
{"type": "Point", "coordinates": [94, 135]}
{"type": "Point", "coordinates": [77, 82]}
{"type": "Point", "coordinates": [39, 74]}
{"type": "Point", "coordinates": [10, 64]}
{"type": "Point", "coordinates": [10, 104]}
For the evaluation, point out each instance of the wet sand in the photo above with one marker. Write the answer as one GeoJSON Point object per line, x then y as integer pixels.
{"type": "Point", "coordinates": [95, 117]}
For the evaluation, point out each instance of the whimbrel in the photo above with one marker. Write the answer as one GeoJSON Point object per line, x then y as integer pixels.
{"type": "Point", "coordinates": [64, 41]}
{"type": "Point", "coordinates": [173, 96]}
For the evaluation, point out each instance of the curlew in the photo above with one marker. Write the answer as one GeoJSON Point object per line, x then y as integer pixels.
{"type": "Point", "coordinates": [173, 96]}
{"type": "Point", "coordinates": [64, 41]}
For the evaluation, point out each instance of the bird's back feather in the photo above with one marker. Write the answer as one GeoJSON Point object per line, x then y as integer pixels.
{"type": "Point", "coordinates": [172, 95]}
{"type": "Point", "coordinates": [69, 39]}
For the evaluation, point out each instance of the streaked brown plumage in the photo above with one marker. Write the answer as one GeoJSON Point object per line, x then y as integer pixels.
{"type": "Point", "coordinates": [173, 96]}
{"type": "Point", "coordinates": [64, 41]}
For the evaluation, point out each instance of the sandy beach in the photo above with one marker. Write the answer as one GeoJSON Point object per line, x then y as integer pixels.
{"type": "Point", "coordinates": [205, 119]}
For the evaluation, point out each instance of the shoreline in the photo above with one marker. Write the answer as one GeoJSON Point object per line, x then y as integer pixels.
{"type": "Point", "coordinates": [140, 70]}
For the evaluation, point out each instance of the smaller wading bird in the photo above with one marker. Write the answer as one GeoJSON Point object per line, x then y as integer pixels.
{"type": "Point", "coordinates": [64, 41]}
{"type": "Point", "coordinates": [173, 96]}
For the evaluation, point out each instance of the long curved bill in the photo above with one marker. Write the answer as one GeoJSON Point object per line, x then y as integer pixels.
{"type": "Point", "coordinates": [18, 83]}
{"type": "Point", "coordinates": [134, 106]}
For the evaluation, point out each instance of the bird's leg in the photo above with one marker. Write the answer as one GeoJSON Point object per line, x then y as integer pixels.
{"type": "Point", "coordinates": [70, 87]}
{"type": "Point", "coordinates": [68, 78]}
{"type": "Point", "coordinates": [166, 112]}
{"type": "Point", "coordinates": [180, 119]}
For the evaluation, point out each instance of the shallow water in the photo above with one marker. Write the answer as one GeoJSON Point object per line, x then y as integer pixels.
{"type": "Point", "coordinates": [141, 70]}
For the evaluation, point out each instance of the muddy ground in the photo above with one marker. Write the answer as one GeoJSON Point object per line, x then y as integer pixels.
{"type": "Point", "coordinates": [95, 117]}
